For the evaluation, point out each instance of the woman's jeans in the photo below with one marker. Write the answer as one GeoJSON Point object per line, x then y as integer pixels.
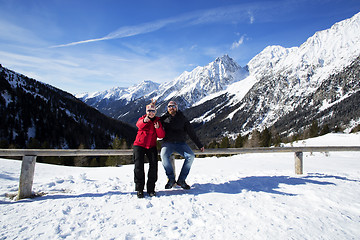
{"type": "Point", "coordinates": [185, 151]}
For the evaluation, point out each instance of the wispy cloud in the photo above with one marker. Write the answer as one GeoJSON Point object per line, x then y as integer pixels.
{"type": "Point", "coordinates": [251, 16]}
{"type": "Point", "coordinates": [126, 31]}
{"type": "Point", "coordinates": [238, 43]}
{"type": "Point", "coordinates": [232, 13]}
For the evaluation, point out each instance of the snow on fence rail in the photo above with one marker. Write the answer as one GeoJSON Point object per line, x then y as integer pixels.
{"type": "Point", "coordinates": [29, 158]}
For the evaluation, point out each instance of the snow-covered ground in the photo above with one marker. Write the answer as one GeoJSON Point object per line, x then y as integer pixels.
{"type": "Point", "coordinates": [250, 196]}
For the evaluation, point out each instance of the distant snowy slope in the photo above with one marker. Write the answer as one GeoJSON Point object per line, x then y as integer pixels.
{"type": "Point", "coordinates": [117, 93]}
{"type": "Point", "coordinates": [331, 139]}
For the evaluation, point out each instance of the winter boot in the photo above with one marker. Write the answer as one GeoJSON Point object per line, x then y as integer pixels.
{"type": "Point", "coordinates": [183, 184]}
{"type": "Point", "coordinates": [152, 194]}
{"type": "Point", "coordinates": [140, 194]}
{"type": "Point", "coordinates": [170, 183]}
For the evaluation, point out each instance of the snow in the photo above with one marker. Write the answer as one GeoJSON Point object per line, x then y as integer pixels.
{"type": "Point", "coordinates": [331, 139]}
{"type": "Point", "coordinates": [7, 98]}
{"type": "Point", "coordinates": [249, 196]}
{"type": "Point", "coordinates": [118, 93]}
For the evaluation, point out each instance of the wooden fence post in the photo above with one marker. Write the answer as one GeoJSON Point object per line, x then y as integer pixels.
{"type": "Point", "coordinates": [26, 177]}
{"type": "Point", "coordinates": [298, 162]}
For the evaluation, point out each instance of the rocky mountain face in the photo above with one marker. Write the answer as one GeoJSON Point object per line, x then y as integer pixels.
{"type": "Point", "coordinates": [283, 88]}
{"type": "Point", "coordinates": [334, 103]}
{"type": "Point", "coordinates": [37, 115]}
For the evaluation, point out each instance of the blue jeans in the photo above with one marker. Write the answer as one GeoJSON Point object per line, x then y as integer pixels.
{"type": "Point", "coordinates": [184, 150]}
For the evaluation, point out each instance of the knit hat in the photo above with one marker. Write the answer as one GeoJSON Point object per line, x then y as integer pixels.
{"type": "Point", "coordinates": [151, 106]}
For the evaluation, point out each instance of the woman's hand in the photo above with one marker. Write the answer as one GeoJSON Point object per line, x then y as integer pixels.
{"type": "Point", "coordinates": [156, 125]}
{"type": "Point", "coordinates": [146, 119]}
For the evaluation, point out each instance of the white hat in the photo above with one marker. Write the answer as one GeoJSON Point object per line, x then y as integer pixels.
{"type": "Point", "coordinates": [151, 106]}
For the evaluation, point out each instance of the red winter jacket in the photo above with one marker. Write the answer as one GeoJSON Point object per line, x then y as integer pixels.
{"type": "Point", "coordinates": [147, 133]}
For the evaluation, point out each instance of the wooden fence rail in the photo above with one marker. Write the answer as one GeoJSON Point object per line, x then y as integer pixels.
{"type": "Point", "coordinates": [29, 158]}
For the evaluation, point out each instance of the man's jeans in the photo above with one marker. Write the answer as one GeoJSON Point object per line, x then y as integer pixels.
{"type": "Point", "coordinates": [184, 150]}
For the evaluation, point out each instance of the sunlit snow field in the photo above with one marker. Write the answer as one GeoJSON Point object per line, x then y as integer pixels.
{"type": "Point", "coordinates": [249, 196]}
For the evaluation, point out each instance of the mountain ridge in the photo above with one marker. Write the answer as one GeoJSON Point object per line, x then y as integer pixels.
{"type": "Point", "coordinates": [38, 115]}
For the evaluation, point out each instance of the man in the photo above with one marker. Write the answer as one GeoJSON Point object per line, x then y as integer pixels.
{"type": "Point", "coordinates": [176, 127]}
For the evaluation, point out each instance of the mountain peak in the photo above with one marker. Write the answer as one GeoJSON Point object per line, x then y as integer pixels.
{"type": "Point", "coordinates": [224, 64]}
{"type": "Point", "coordinates": [145, 84]}
{"type": "Point", "coordinates": [225, 57]}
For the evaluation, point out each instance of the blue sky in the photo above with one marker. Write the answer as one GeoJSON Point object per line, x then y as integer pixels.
{"type": "Point", "coordinates": [94, 45]}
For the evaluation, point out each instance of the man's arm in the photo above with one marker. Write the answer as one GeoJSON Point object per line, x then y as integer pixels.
{"type": "Point", "coordinates": [191, 132]}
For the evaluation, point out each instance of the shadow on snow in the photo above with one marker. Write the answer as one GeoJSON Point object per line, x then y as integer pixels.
{"type": "Point", "coordinates": [267, 184]}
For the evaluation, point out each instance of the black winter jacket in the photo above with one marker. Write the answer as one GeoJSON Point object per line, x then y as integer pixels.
{"type": "Point", "coordinates": [176, 127]}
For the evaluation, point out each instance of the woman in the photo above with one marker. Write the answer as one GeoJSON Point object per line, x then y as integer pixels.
{"type": "Point", "coordinates": [149, 129]}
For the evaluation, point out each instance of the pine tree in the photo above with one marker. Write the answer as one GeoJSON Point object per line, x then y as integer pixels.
{"type": "Point", "coordinates": [325, 130]}
{"type": "Point", "coordinates": [225, 143]}
{"type": "Point", "coordinates": [81, 161]}
{"type": "Point", "coordinates": [255, 139]}
{"type": "Point", "coordinates": [314, 129]}
{"type": "Point", "coordinates": [213, 144]}
{"type": "Point", "coordinates": [115, 160]}
{"type": "Point", "coordinates": [116, 144]}
{"type": "Point", "coordinates": [276, 139]}
{"type": "Point", "coordinates": [4, 144]}
{"type": "Point", "coordinates": [33, 144]}
{"type": "Point", "coordinates": [265, 138]}
{"type": "Point", "coordinates": [239, 141]}
{"type": "Point", "coordinates": [356, 129]}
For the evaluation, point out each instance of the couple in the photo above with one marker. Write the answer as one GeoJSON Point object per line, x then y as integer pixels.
{"type": "Point", "coordinates": [172, 127]}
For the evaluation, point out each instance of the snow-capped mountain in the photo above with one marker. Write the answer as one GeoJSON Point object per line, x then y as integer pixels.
{"type": "Point", "coordinates": [118, 93]}
{"type": "Point", "coordinates": [187, 89]}
{"type": "Point", "coordinates": [276, 84]}
{"type": "Point", "coordinates": [283, 82]}
{"type": "Point", "coordinates": [191, 87]}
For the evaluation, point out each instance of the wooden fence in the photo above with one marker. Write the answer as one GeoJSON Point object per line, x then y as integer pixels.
{"type": "Point", "coordinates": [29, 158]}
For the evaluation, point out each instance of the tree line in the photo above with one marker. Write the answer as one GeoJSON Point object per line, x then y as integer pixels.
{"type": "Point", "coordinates": [268, 138]}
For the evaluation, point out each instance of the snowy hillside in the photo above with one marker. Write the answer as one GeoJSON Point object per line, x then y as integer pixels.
{"type": "Point", "coordinates": [248, 196]}
{"type": "Point", "coordinates": [305, 67]}
{"type": "Point", "coordinates": [290, 88]}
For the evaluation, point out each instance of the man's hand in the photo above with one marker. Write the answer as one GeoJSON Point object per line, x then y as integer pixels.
{"type": "Point", "coordinates": [202, 149]}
